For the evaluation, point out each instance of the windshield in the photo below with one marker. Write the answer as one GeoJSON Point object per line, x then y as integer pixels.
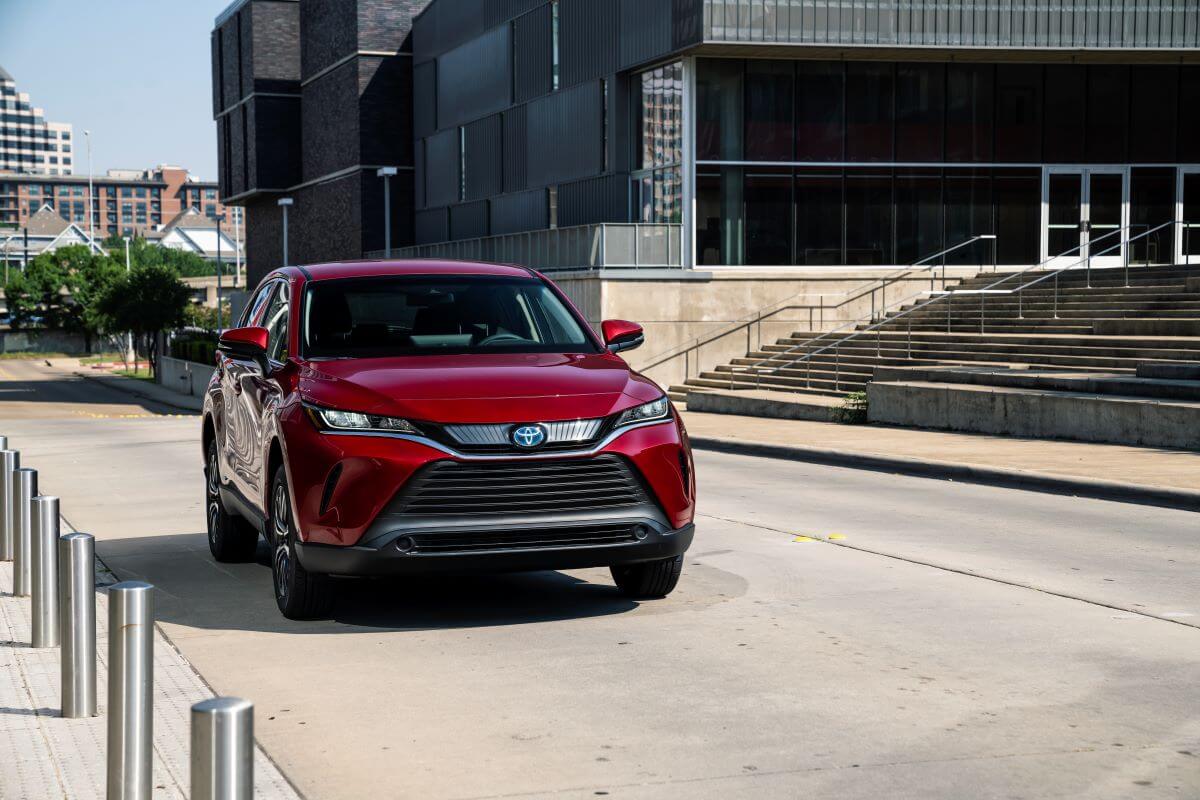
{"type": "Point", "coordinates": [423, 315]}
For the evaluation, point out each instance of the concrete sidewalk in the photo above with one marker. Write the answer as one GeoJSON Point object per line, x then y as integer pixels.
{"type": "Point", "coordinates": [1134, 474]}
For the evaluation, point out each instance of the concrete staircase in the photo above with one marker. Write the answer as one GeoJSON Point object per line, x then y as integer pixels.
{"type": "Point", "coordinates": [1107, 327]}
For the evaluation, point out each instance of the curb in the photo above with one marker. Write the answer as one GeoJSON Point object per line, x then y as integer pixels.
{"type": "Point", "coordinates": [1167, 497]}
{"type": "Point", "coordinates": [122, 384]}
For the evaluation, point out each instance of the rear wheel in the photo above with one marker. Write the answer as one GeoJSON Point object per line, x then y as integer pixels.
{"type": "Point", "coordinates": [230, 538]}
{"type": "Point", "coordinates": [649, 579]}
{"type": "Point", "coordinates": [300, 594]}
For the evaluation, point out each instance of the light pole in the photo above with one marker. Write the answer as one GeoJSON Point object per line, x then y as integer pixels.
{"type": "Point", "coordinates": [131, 353]}
{"type": "Point", "coordinates": [285, 203]}
{"type": "Point", "coordinates": [387, 173]}
{"type": "Point", "coordinates": [87, 135]}
{"type": "Point", "coordinates": [237, 246]}
{"type": "Point", "coordinates": [219, 220]}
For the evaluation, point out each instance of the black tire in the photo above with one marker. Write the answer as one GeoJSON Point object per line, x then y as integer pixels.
{"type": "Point", "coordinates": [231, 539]}
{"type": "Point", "coordinates": [300, 594]}
{"type": "Point", "coordinates": [649, 579]}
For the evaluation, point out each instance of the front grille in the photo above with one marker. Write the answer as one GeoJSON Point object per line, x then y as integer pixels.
{"type": "Point", "coordinates": [568, 432]}
{"type": "Point", "coordinates": [451, 488]}
{"type": "Point", "coordinates": [547, 538]}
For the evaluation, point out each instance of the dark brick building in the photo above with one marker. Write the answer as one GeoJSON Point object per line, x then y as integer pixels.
{"type": "Point", "coordinates": [311, 98]}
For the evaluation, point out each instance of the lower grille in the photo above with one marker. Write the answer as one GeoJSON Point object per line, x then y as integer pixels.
{"type": "Point", "coordinates": [452, 488]}
{"type": "Point", "coordinates": [548, 538]}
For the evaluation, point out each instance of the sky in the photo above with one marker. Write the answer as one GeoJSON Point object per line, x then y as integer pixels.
{"type": "Point", "coordinates": [136, 73]}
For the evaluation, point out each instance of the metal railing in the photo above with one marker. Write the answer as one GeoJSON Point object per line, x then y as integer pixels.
{"type": "Point", "coordinates": [582, 247]}
{"type": "Point", "coordinates": [1085, 262]}
{"type": "Point", "coordinates": [829, 303]}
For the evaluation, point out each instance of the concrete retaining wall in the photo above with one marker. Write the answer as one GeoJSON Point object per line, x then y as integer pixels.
{"type": "Point", "coordinates": [184, 377]}
{"type": "Point", "coordinates": [1039, 414]}
{"type": "Point", "coordinates": [42, 341]}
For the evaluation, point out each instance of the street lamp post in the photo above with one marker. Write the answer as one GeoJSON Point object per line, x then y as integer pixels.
{"type": "Point", "coordinates": [387, 173]}
{"type": "Point", "coordinates": [285, 203]}
{"type": "Point", "coordinates": [87, 135]}
{"type": "Point", "coordinates": [237, 246]}
{"type": "Point", "coordinates": [132, 354]}
{"type": "Point", "coordinates": [219, 220]}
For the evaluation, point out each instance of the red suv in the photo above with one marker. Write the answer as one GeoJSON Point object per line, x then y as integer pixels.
{"type": "Point", "coordinates": [405, 417]}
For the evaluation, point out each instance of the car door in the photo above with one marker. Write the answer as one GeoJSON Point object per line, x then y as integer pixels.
{"type": "Point", "coordinates": [263, 392]}
{"type": "Point", "coordinates": [237, 444]}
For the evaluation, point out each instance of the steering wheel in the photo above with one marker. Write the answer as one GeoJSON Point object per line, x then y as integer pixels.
{"type": "Point", "coordinates": [496, 338]}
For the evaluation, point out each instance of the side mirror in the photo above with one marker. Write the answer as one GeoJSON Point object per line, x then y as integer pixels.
{"type": "Point", "coordinates": [245, 343]}
{"type": "Point", "coordinates": [620, 335]}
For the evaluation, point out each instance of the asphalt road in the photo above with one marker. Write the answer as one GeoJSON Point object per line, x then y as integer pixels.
{"type": "Point", "coordinates": [837, 634]}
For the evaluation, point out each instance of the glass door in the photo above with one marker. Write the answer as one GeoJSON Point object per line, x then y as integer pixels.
{"type": "Point", "coordinates": [1084, 212]}
{"type": "Point", "coordinates": [1189, 213]}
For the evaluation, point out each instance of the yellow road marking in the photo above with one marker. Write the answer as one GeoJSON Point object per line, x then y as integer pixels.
{"type": "Point", "coordinates": [836, 536]}
{"type": "Point", "coordinates": [804, 539]}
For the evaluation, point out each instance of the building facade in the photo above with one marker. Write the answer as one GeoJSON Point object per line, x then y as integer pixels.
{"type": "Point", "coordinates": [126, 202]}
{"type": "Point", "coordinates": [776, 134]}
{"type": "Point", "coordinates": [28, 142]}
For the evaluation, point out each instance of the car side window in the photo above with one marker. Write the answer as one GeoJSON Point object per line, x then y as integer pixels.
{"type": "Point", "coordinates": [275, 320]}
{"type": "Point", "coordinates": [252, 309]}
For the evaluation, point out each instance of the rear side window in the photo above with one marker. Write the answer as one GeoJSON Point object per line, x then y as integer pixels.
{"type": "Point", "coordinates": [411, 315]}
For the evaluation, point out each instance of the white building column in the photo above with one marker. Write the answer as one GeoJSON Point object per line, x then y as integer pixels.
{"type": "Point", "coordinates": [688, 190]}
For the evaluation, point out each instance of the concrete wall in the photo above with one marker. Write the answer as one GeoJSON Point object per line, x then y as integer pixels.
{"type": "Point", "coordinates": [42, 342]}
{"type": "Point", "coordinates": [676, 308]}
{"type": "Point", "coordinates": [185, 377]}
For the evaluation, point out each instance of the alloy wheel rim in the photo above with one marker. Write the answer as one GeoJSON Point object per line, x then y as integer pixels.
{"type": "Point", "coordinates": [283, 556]}
{"type": "Point", "coordinates": [212, 489]}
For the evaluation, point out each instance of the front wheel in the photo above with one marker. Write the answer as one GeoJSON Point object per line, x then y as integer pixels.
{"type": "Point", "coordinates": [300, 594]}
{"type": "Point", "coordinates": [649, 579]}
{"type": "Point", "coordinates": [230, 538]}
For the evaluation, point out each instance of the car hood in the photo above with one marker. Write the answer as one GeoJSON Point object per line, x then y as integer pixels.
{"type": "Point", "coordinates": [493, 387]}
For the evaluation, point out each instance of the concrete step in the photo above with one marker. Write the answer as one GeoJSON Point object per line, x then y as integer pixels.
{"type": "Point", "coordinates": [1181, 372]}
{"type": "Point", "coordinates": [756, 403]}
{"type": "Point", "coordinates": [817, 386]}
{"type": "Point", "coordinates": [1085, 383]}
{"type": "Point", "coordinates": [1037, 413]}
{"type": "Point", "coordinates": [1182, 344]}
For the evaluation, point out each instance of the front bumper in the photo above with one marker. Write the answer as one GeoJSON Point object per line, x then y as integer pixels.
{"type": "Point", "coordinates": [498, 549]}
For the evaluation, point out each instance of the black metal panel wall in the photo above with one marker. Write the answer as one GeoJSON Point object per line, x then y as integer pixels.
{"type": "Point", "coordinates": [971, 23]}
{"type": "Point", "coordinates": [602, 199]}
{"type": "Point", "coordinates": [687, 23]}
{"type": "Point", "coordinates": [433, 226]}
{"type": "Point", "coordinates": [419, 174]}
{"type": "Point", "coordinates": [425, 99]}
{"type": "Point", "coordinates": [533, 55]}
{"type": "Point", "coordinates": [589, 39]}
{"type": "Point", "coordinates": [483, 158]}
{"type": "Point", "coordinates": [516, 176]}
{"type": "Point", "coordinates": [524, 211]}
{"type": "Point", "coordinates": [565, 135]}
{"type": "Point", "coordinates": [474, 79]}
{"type": "Point", "coordinates": [442, 168]}
{"type": "Point", "coordinates": [469, 221]}
{"type": "Point", "coordinates": [645, 30]}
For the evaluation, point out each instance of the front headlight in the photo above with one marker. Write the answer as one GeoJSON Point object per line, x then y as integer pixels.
{"type": "Point", "coordinates": [648, 412]}
{"type": "Point", "coordinates": [354, 421]}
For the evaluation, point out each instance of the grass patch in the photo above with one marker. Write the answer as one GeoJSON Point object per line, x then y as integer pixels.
{"type": "Point", "coordinates": [140, 375]}
{"type": "Point", "coordinates": [853, 410]}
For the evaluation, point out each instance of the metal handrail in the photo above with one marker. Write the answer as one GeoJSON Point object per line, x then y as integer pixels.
{"type": "Point", "coordinates": [850, 295]}
{"type": "Point", "coordinates": [948, 297]}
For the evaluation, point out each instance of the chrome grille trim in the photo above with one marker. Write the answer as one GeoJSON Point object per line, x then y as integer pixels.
{"type": "Point", "coordinates": [576, 430]}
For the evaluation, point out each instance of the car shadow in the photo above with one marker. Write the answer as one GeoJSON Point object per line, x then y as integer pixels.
{"type": "Point", "coordinates": [197, 592]}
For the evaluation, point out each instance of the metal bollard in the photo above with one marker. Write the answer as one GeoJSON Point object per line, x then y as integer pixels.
{"type": "Point", "coordinates": [77, 606]}
{"type": "Point", "coordinates": [130, 690]}
{"type": "Point", "coordinates": [223, 749]}
{"type": "Point", "coordinates": [10, 460]}
{"type": "Point", "coordinates": [24, 490]}
{"type": "Point", "coordinates": [45, 571]}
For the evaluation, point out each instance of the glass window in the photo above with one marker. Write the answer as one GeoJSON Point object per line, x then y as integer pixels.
{"type": "Point", "coordinates": [969, 112]}
{"type": "Point", "coordinates": [719, 216]}
{"type": "Point", "coordinates": [968, 213]}
{"type": "Point", "coordinates": [868, 218]}
{"type": "Point", "coordinates": [769, 117]}
{"type": "Point", "coordinates": [1151, 203]}
{"type": "Point", "coordinates": [1066, 106]}
{"type": "Point", "coordinates": [1019, 112]}
{"type": "Point", "coordinates": [275, 321]}
{"type": "Point", "coordinates": [819, 110]}
{"type": "Point", "coordinates": [869, 96]}
{"type": "Point", "coordinates": [659, 112]}
{"type": "Point", "coordinates": [1107, 114]}
{"type": "Point", "coordinates": [1189, 115]}
{"type": "Point", "coordinates": [719, 109]}
{"type": "Point", "coordinates": [373, 317]}
{"type": "Point", "coordinates": [819, 217]}
{"type": "Point", "coordinates": [1191, 213]}
{"type": "Point", "coordinates": [251, 314]}
{"type": "Point", "coordinates": [1153, 117]}
{"type": "Point", "coordinates": [918, 215]}
{"type": "Point", "coordinates": [1018, 216]}
{"type": "Point", "coordinates": [768, 199]}
{"type": "Point", "coordinates": [920, 111]}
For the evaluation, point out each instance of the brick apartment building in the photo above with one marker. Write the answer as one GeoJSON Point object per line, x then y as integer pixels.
{"type": "Point", "coordinates": [127, 202]}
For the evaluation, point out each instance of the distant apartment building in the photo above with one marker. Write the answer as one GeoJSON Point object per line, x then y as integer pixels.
{"type": "Point", "coordinates": [28, 143]}
{"type": "Point", "coordinates": [126, 202]}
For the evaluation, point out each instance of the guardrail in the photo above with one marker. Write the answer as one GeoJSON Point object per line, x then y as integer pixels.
{"type": "Point", "coordinates": [582, 247]}
{"type": "Point", "coordinates": [59, 572]}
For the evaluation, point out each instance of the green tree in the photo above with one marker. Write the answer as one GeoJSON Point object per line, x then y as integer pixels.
{"type": "Point", "coordinates": [146, 301]}
{"type": "Point", "coordinates": [145, 254]}
{"type": "Point", "coordinates": [62, 288]}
